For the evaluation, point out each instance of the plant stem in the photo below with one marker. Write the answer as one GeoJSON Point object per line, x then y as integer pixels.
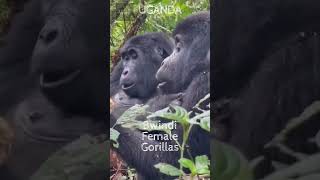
{"type": "Point", "coordinates": [185, 138]}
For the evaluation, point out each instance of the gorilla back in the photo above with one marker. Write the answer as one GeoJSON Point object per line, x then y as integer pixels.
{"type": "Point", "coordinates": [53, 51]}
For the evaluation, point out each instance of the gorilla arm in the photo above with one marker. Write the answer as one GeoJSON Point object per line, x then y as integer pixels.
{"type": "Point", "coordinates": [130, 147]}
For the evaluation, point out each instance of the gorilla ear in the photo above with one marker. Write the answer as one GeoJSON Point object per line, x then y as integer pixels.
{"type": "Point", "coordinates": [162, 52]}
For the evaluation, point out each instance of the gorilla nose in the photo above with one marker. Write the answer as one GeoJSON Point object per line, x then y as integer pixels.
{"type": "Point", "coordinates": [125, 72]}
{"type": "Point", "coordinates": [48, 35]}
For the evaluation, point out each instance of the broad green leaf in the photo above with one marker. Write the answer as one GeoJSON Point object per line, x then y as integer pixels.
{"type": "Point", "coordinates": [202, 165]}
{"type": "Point", "coordinates": [187, 163]}
{"type": "Point", "coordinates": [76, 160]}
{"type": "Point", "coordinates": [205, 123]}
{"type": "Point", "coordinates": [228, 163]}
{"type": "Point", "coordinates": [174, 113]}
{"type": "Point", "coordinates": [168, 169]}
{"type": "Point", "coordinates": [132, 113]}
{"type": "Point", "coordinates": [202, 119]}
{"type": "Point", "coordinates": [114, 134]}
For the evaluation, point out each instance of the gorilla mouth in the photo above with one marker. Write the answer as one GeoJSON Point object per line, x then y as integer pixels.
{"type": "Point", "coordinates": [57, 78]}
{"type": "Point", "coordinates": [162, 84]}
{"type": "Point", "coordinates": [128, 86]}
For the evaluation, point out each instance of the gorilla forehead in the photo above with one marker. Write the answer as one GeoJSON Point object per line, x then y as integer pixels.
{"type": "Point", "coordinates": [195, 25]}
{"type": "Point", "coordinates": [149, 40]}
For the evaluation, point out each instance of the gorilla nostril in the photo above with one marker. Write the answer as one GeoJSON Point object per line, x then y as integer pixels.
{"type": "Point", "coordinates": [49, 36]}
{"type": "Point", "coordinates": [162, 63]}
{"type": "Point", "coordinates": [125, 72]}
{"type": "Point", "coordinates": [34, 116]}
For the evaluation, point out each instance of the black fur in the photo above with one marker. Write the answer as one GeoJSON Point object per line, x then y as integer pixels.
{"type": "Point", "coordinates": [246, 32]}
{"type": "Point", "coordinates": [141, 57]}
{"type": "Point", "coordinates": [268, 69]}
{"type": "Point", "coordinates": [54, 50]}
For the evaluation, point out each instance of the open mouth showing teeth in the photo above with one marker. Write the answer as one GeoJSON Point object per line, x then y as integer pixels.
{"type": "Point", "coordinates": [57, 78]}
{"type": "Point", "coordinates": [128, 86]}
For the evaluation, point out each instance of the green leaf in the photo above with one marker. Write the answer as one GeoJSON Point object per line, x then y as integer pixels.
{"type": "Point", "coordinates": [202, 165]}
{"type": "Point", "coordinates": [205, 123]}
{"type": "Point", "coordinates": [168, 169]}
{"type": "Point", "coordinates": [114, 134]}
{"type": "Point", "coordinates": [202, 119]}
{"type": "Point", "coordinates": [155, 1]}
{"type": "Point", "coordinates": [132, 113]}
{"type": "Point", "coordinates": [174, 113]}
{"type": "Point", "coordinates": [187, 163]}
{"type": "Point", "coordinates": [76, 160]}
{"type": "Point", "coordinates": [229, 163]}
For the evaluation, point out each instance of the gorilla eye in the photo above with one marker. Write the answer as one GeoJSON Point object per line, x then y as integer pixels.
{"type": "Point", "coordinates": [177, 39]}
{"type": "Point", "coordinates": [178, 42]}
{"type": "Point", "coordinates": [133, 53]}
{"type": "Point", "coordinates": [125, 57]}
{"type": "Point", "coordinates": [160, 51]}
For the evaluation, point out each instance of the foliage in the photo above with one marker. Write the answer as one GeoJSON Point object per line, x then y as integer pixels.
{"type": "Point", "coordinates": [229, 163]}
{"type": "Point", "coordinates": [199, 166]}
{"type": "Point", "coordinates": [156, 21]}
{"type": "Point", "coordinates": [82, 157]}
{"type": "Point", "coordinates": [4, 14]}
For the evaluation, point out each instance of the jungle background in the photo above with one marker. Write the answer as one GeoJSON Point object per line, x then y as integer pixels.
{"type": "Point", "coordinates": [126, 19]}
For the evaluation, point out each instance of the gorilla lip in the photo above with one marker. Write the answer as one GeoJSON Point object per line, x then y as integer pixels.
{"type": "Point", "coordinates": [162, 84]}
{"type": "Point", "coordinates": [127, 86]}
{"type": "Point", "coordinates": [55, 79]}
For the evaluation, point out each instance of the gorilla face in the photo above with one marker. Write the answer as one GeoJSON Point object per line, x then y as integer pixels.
{"type": "Point", "coordinates": [192, 44]}
{"type": "Point", "coordinates": [68, 55]}
{"type": "Point", "coordinates": [167, 75]}
{"type": "Point", "coordinates": [129, 80]}
{"type": "Point", "coordinates": [141, 56]}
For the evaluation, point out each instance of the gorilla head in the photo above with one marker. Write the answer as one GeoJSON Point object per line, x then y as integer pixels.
{"type": "Point", "coordinates": [69, 54]}
{"type": "Point", "coordinates": [141, 57]}
{"type": "Point", "coordinates": [192, 43]}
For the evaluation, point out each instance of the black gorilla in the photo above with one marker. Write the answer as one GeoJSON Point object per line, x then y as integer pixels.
{"type": "Point", "coordinates": [269, 70]}
{"type": "Point", "coordinates": [186, 65]}
{"type": "Point", "coordinates": [134, 76]}
{"type": "Point", "coordinates": [54, 50]}
{"type": "Point", "coordinates": [253, 30]}
{"type": "Point", "coordinates": [190, 59]}
{"type": "Point", "coordinates": [141, 56]}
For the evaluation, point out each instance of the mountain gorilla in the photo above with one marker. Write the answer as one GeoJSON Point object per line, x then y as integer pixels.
{"type": "Point", "coordinates": [265, 26]}
{"type": "Point", "coordinates": [141, 57]}
{"type": "Point", "coordinates": [188, 67]}
{"type": "Point", "coordinates": [189, 58]}
{"type": "Point", "coordinates": [268, 67]}
{"type": "Point", "coordinates": [55, 50]}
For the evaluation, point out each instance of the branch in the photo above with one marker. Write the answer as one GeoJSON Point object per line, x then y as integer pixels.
{"type": "Point", "coordinates": [132, 31]}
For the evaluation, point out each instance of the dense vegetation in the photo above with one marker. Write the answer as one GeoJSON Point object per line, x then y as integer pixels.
{"type": "Point", "coordinates": [4, 14]}
{"type": "Point", "coordinates": [127, 20]}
